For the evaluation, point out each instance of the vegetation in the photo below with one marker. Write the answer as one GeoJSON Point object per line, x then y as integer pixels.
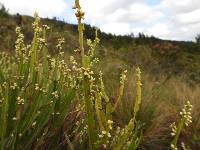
{"type": "Point", "coordinates": [3, 11]}
{"type": "Point", "coordinates": [198, 38]}
{"type": "Point", "coordinates": [51, 100]}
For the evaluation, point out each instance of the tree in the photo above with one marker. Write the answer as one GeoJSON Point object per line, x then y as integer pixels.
{"type": "Point", "coordinates": [3, 11]}
{"type": "Point", "coordinates": [197, 38]}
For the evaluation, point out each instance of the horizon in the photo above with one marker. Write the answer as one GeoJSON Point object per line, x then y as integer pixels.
{"type": "Point", "coordinates": [165, 19]}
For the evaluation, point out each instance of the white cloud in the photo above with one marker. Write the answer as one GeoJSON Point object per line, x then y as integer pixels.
{"type": "Point", "coordinates": [189, 18]}
{"type": "Point", "coordinates": [159, 30]}
{"type": "Point", "coordinates": [117, 28]}
{"type": "Point", "coordinates": [99, 12]}
{"type": "Point", "coordinates": [182, 18]}
{"type": "Point", "coordinates": [95, 10]}
{"type": "Point", "coordinates": [180, 6]}
{"type": "Point", "coordinates": [115, 16]}
{"type": "Point", "coordinates": [169, 19]}
{"type": "Point", "coordinates": [143, 12]}
{"type": "Point", "coordinates": [120, 16]}
{"type": "Point", "coordinates": [45, 8]}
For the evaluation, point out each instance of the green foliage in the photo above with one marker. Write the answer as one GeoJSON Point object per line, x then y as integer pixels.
{"type": "Point", "coordinates": [39, 91]}
{"type": "Point", "coordinates": [3, 11]}
{"type": "Point", "coordinates": [197, 38]}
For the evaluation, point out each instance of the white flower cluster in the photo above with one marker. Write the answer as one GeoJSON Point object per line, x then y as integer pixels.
{"type": "Point", "coordinates": [34, 124]}
{"type": "Point", "coordinates": [123, 77]}
{"type": "Point", "coordinates": [118, 133]}
{"type": "Point", "coordinates": [4, 84]}
{"type": "Point", "coordinates": [173, 147]}
{"type": "Point", "coordinates": [46, 27]}
{"type": "Point", "coordinates": [53, 62]}
{"type": "Point", "coordinates": [20, 101]}
{"type": "Point", "coordinates": [104, 133]}
{"type": "Point", "coordinates": [19, 77]}
{"type": "Point", "coordinates": [94, 62]}
{"type": "Point", "coordinates": [174, 129]}
{"type": "Point", "coordinates": [186, 113]}
{"type": "Point", "coordinates": [73, 62]}
{"type": "Point", "coordinates": [42, 42]}
{"type": "Point", "coordinates": [19, 44]}
{"type": "Point", "coordinates": [1, 100]}
{"type": "Point", "coordinates": [37, 87]}
{"type": "Point", "coordinates": [61, 41]}
{"type": "Point", "coordinates": [110, 123]}
{"type": "Point", "coordinates": [183, 146]}
{"type": "Point", "coordinates": [13, 86]}
{"type": "Point", "coordinates": [55, 94]}
{"type": "Point", "coordinates": [88, 73]}
{"type": "Point", "coordinates": [83, 132]}
{"type": "Point", "coordinates": [36, 24]}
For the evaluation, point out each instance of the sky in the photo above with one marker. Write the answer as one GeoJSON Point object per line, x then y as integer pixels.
{"type": "Point", "coordinates": [166, 19]}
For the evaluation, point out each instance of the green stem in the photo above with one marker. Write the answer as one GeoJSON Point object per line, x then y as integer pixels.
{"type": "Point", "coordinates": [80, 29]}
{"type": "Point", "coordinates": [86, 84]}
{"type": "Point", "coordinates": [90, 116]}
{"type": "Point", "coordinates": [179, 129]}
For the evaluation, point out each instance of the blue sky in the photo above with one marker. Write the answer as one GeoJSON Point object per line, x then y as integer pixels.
{"type": "Point", "coordinates": [167, 19]}
{"type": "Point", "coordinates": [153, 2]}
{"type": "Point", "coordinates": [69, 12]}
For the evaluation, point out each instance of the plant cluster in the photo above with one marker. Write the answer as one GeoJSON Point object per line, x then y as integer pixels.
{"type": "Point", "coordinates": [36, 90]}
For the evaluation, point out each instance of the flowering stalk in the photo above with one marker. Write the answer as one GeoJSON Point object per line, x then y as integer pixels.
{"type": "Point", "coordinates": [34, 49]}
{"type": "Point", "coordinates": [121, 89]}
{"type": "Point", "coordinates": [80, 15]}
{"type": "Point", "coordinates": [109, 107]}
{"type": "Point", "coordinates": [130, 130]}
{"type": "Point", "coordinates": [4, 116]}
{"type": "Point", "coordinates": [87, 77]}
{"type": "Point", "coordinates": [185, 121]}
{"type": "Point", "coordinates": [139, 93]}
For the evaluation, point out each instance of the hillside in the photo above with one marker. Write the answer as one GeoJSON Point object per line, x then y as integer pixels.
{"type": "Point", "coordinates": [154, 55]}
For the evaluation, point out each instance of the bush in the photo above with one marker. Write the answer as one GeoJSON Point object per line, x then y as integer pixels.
{"type": "Point", "coordinates": [198, 39]}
